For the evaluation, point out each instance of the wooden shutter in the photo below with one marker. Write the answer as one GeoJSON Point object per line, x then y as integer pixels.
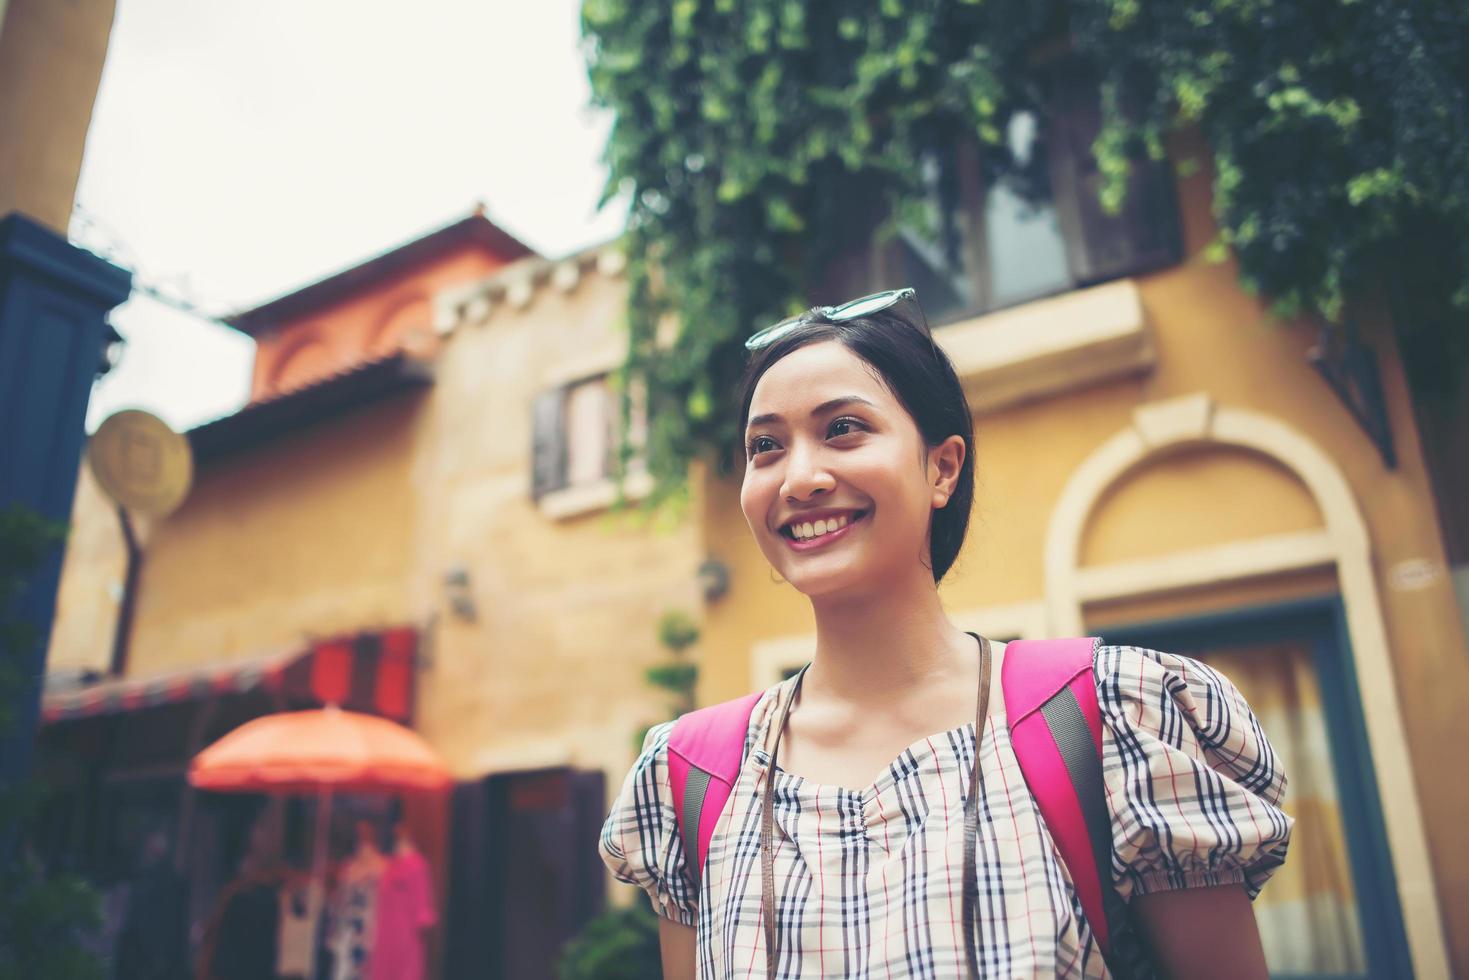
{"type": "Point", "coordinates": [1102, 246]}
{"type": "Point", "coordinates": [548, 447]}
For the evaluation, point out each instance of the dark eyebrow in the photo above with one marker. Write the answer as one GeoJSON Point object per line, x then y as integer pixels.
{"type": "Point", "coordinates": [821, 409]}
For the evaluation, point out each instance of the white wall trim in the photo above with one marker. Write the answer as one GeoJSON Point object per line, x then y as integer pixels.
{"type": "Point", "coordinates": [1206, 566]}
{"type": "Point", "coordinates": [1168, 426]}
{"type": "Point", "coordinates": [587, 498]}
{"type": "Point", "coordinates": [580, 367]}
{"type": "Point", "coordinates": [1050, 345]}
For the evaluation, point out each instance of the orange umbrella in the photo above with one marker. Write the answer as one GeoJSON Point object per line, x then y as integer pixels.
{"type": "Point", "coordinates": [321, 749]}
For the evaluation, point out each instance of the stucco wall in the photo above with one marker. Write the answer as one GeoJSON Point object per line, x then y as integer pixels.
{"type": "Point", "coordinates": [552, 671]}
{"type": "Point", "coordinates": [1211, 338]}
{"type": "Point", "coordinates": [354, 522]}
{"type": "Point", "coordinates": [379, 318]}
{"type": "Point", "coordinates": [305, 537]}
{"type": "Point", "coordinates": [51, 57]}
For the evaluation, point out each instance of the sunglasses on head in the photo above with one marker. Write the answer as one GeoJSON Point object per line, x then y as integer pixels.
{"type": "Point", "coordinates": [850, 310]}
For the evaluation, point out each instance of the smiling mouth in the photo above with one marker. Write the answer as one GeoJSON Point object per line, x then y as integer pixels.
{"type": "Point", "coordinates": [831, 528]}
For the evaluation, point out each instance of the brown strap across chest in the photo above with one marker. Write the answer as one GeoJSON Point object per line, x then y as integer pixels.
{"type": "Point", "coordinates": [971, 821]}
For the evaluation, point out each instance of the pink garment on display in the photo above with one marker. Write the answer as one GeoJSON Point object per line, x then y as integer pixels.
{"type": "Point", "coordinates": [405, 908]}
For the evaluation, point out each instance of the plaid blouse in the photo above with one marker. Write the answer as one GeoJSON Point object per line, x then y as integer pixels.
{"type": "Point", "coordinates": [868, 880]}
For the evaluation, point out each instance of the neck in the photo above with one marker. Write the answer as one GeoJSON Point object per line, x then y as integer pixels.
{"type": "Point", "coordinates": [874, 648]}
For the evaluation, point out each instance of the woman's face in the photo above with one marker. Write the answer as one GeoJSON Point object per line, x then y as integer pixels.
{"type": "Point", "coordinates": [826, 441]}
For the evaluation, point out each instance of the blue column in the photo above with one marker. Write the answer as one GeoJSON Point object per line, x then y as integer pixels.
{"type": "Point", "coordinates": [54, 300]}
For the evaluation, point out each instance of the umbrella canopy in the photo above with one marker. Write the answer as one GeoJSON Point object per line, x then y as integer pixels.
{"type": "Point", "coordinates": [325, 749]}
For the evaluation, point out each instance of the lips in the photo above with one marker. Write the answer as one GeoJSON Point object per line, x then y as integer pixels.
{"type": "Point", "coordinates": [824, 540]}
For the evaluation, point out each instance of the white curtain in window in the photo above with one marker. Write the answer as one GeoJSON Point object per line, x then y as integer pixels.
{"type": "Point", "coordinates": [1308, 911]}
{"type": "Point", "coordinates": [586, 431]}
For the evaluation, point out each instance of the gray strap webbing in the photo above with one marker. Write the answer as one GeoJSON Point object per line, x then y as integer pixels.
{"type": "Point", "coordinates": [693, 808]}
{"type": "Point", "coordinates": [1074, 740]}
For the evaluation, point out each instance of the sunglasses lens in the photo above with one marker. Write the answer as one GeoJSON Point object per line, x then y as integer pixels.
{"type": "Point", "coordinates": [771, 333]}
{"type": "Point", "coordinates": [846, 311]}
{"type": "Point", "coordinates": [870, 304]}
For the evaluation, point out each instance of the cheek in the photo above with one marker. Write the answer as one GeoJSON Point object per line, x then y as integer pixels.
{"type": "Point", "coordinates": [754, 498]}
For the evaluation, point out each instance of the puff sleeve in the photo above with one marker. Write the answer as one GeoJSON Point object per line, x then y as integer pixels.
{"type": "Point", "coordinates": [1193, 786]}
{"type": "Point", "coordinates": [640, 842]}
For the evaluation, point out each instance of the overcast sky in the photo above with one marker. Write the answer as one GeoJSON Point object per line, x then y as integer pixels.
{"type": "Point", "coordinates": [240, 150]}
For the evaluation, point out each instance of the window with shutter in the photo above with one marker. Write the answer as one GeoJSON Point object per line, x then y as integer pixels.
{"type": "Point", "coordinates": [576, 434]}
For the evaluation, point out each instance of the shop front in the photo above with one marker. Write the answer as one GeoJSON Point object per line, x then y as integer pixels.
{"type": "Point", "coordinates": [120, 811]}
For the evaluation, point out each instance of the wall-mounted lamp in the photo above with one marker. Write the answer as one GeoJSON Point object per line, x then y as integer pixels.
{"type": "Point", "coordinates": [460, 592]}
{"type": "Point", "coordinates": [713, 578]}
{"type": "Point", "coordinates": [114, 345]}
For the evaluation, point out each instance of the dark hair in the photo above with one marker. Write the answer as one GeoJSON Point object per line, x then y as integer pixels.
{"type": "Point", "coordinates": [920, 375]}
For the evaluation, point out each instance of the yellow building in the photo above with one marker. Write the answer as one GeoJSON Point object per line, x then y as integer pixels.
{"type": "Point", "coordinates": [368, 530]}
{"type": "Point", "coordinates": [1157, 463]}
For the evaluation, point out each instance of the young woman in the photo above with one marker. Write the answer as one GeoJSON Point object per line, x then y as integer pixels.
{"type": "Point", "coordinates": [859, 476]}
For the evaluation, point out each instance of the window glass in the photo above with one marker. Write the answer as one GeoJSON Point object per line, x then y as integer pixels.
{"type": "Point", "coordinates": [972, 248]}
{"type": "Point", "coordinates": [1026, 250]}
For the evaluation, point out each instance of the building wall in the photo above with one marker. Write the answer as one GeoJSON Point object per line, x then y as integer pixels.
{"type": "Point", "coordinates": [354, 522]}
{"type": "Point", "coordinates": [92, 572]}
{"type": "Point", "coordinates": [308, 536]}
{"type": "Point", "coordinates": [551, 673]}
{"type": "Point", "coordinates": [51, 57]}
{"type": "Point", "coordinates": [378, 319]}
{"type": "Point", "coordinates": [1214, 339]}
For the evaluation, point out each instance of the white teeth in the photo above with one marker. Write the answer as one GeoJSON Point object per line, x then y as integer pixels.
{"type": "Point", "coordinates": [807, 530]}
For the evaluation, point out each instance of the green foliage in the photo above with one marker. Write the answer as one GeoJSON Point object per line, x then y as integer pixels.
{"type": "Point", "coordinates": [677, 630]}
{"type": "Point", "coordinates": [620, 944]}
{"type": "Point", "coordinates": [39, 914]}
{"type": "Point", "coordinates": [676, 677]}
{"type": "Point", "coordinates": [754, 140]}
{"type": "Point", "coordinates": [25, 539]}
{"type": "Point", "coordinates": [39, 919]}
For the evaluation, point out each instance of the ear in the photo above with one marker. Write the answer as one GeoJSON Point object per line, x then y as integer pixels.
{"type": "Point", "coordinates": [945, 462]}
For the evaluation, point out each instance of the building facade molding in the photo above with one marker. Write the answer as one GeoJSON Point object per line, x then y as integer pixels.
{"type": "Point", "coordinates": [1192, 421]}
{"type": "Point", "coordinates": [1050, 346]}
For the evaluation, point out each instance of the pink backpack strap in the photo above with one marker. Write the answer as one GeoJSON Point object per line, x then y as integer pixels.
{"type": "Point", "coordinates": [705, 749]}
{"type": "Point", "coordinates": [1056, 731]}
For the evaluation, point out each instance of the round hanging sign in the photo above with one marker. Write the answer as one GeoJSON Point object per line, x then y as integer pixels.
{"type": "Point", "coordinates": [142, 464]}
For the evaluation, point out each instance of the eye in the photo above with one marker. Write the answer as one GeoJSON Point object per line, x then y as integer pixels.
{"type": "Point", "coordinates": [752, 448]}
{"type": "Point", "coordinates": [847, 421]}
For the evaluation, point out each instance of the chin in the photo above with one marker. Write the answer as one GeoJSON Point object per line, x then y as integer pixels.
{"type": "Point", "coordinates": [846, 583]}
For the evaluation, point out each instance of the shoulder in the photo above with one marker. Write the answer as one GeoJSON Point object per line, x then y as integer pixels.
{"type": "Point", "coordinates": [1176, 698]}
{"type": "Point", "coordinates": [1193, 784]}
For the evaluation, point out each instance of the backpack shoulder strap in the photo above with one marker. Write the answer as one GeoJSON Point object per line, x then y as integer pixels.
{"type": "Point", "coordinates": [1056, 731]}
{"type": "Point", "coordinates": [705, 749]}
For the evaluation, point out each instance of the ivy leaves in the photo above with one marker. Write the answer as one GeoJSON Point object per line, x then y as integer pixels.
{"type": "Point", "coordinates": [759, 139]}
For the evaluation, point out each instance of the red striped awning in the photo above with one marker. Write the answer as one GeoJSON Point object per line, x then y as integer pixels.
{"type": "Point", "coordinates": [371, 671]}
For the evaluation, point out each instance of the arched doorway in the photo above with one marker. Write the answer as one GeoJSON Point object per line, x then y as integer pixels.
{"type": "Point", "coordinates": [1354, 674]}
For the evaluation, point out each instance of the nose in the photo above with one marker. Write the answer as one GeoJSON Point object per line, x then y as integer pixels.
{"type": "Point", "coordinates": [805, 473]}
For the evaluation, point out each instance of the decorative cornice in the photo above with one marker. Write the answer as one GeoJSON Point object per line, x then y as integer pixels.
{"type": "Point", "coordinates": [521, 283]}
